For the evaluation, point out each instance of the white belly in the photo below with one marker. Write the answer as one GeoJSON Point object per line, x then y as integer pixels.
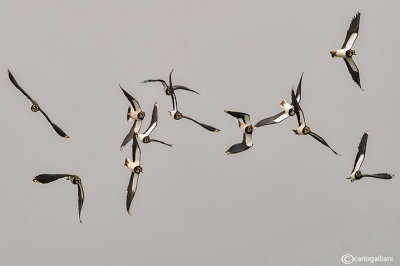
{"type": "Point", "coordinates": [341, 53]}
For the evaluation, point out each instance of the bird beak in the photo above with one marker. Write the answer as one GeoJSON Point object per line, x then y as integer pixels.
{"type": "Point", "coordinates": [333, 53]}
{"type": "Point", "coordinates": [283, 103]}
{"type": "Point", "coordinates": [295, 131]}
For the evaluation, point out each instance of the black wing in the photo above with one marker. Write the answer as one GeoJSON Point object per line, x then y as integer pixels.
{"type": "Point", "coordinates": [239, 147]}
{"type": "Point", "coordinates": [315, 136]}
{"type": "Point", "coordinates": [272, 120]}
{"type": "Point", "coordinates": [11, 77]}
{"type": "Point", "coordinates": [245, 117]}
{"type": "Point", "coordinates": [130, 135]}
{"type": "Point", "coordinates": [298, 91]}
{"type": "Point", "coordinates": [353, 69]}
{"type": "Point", "coordinates": [81, 198]}
{"type": "Point", "coordinates": [209, 128]}
{"type": "Point", "coordinates": [180, 87]}
{"type": "Point", "coordinates": [353, 29]}
{"type": "Point", "coordinates": [381, 176]}
{"type": "Point", "coordinates": [154, 119]}
{"type": "Point", "coordinates": [362, 148]}
{"type": "Point", "coordinates": [157, 80]}
{"type": "Point", "coordinates": [131, 190]}
{"type": "Point", "coordinates": [162, 142]}
{"type": "Point", "coordinates": [56, 128]}
{"type": "Point", "coordinates": [47, 178]}
{"type": "Point", "coordinates": [135, 104]}
{"type": "Point", "coordinates": [297, 109]}
{"type": "Point", "coordinates": [136, 152]}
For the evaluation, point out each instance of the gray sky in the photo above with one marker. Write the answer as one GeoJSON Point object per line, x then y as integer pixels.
{"type": "Point", "coordinates": [285, 201]}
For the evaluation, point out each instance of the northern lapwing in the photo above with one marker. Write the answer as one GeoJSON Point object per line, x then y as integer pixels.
{"type": "Point", "coordinates": [346, 52]}
{"type": "Point", "coordinates": [169, 89]}
{"type": "Point", "coordinates": [134, 112]}
{"type": "Point", "coordinates": [145, 137]}
{"type": "Point", "coordinates": [178, 115]}
{"type": "Point", "coordinates": [35, 106]}
{"type": "Point", "coordinates": [288, 110]}
{"type": "Point", "coordinates": [136, 169]}
{"type": "Point", "coordinates": [303, 129]}
{"type": "Point", "coordinates": [356, 173]}
{"type": "Point", "coordinates": [247, 128]}
{"type": "Point", "coordinates": [76, 180]}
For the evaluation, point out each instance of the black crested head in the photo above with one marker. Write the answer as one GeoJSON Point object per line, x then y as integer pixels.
{"type": "Point", "coordinates": [249, 129]}
{"type": "Point", "coordinates": [138, 169]}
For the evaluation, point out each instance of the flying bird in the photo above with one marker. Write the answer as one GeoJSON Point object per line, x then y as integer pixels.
{"type": "Point", "coordinates": [134, 112]}
{"type": "Point", "coordinates": [303, 129]}
{"type": "Point", "coordinates": [136, 169]}
{"type": "Point", "coordinates": [288, 110]}
{"type": "Point", "coordinates": [178, 115]}
{"type": "Point", "coordinates": [346, 52]}
{"type": "Point", "coordinates": [76, 180]}
{"type": "Point", "coordinates": [247, 128]}
{"type": "Point", "coordinates": [170, 89]}
{"type": "Point", "coordinates": [145, 137]}
{"type": "Point", "coordinates": [356, 173]}
{"type": "Point", "coordinates": [35, 106]}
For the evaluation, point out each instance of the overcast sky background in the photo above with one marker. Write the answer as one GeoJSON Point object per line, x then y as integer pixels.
{"type": "Point", "coordinates": [285, 201]}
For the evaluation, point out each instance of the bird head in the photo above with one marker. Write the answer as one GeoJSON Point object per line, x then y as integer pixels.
{"type": "Point", "coordinates": [306, 130]}
{"type": "Point", "coordinates": [177, 115]}
{"type": "Point", "coordinates": [138, 169]}
{"type": "Point", "coordinates": [249, 129]}
{"type": "Point", "coordinates": [141, 115]}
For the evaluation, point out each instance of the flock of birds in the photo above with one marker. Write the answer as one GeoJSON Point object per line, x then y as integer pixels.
{"type": "Point", "coordinates": [136, 114]}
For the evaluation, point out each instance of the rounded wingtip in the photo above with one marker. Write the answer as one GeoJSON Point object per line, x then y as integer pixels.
{"type": "Point", "coordinates": [367, 132]}
{"type": "Point", "coordinates": [66, 136]}
{"type": "Point", "coordinates": [121, 148]}
{"type": "Point", "coordinates": [217, 130]}
{"type": "Point", "coordinates": [225, 111]}
{"type": "Point", "coordinates": [392, 175]}
{"type": "Point", "coordinates": [129, 212]}
{"type": "Point", "coordinates": [228, 152]}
